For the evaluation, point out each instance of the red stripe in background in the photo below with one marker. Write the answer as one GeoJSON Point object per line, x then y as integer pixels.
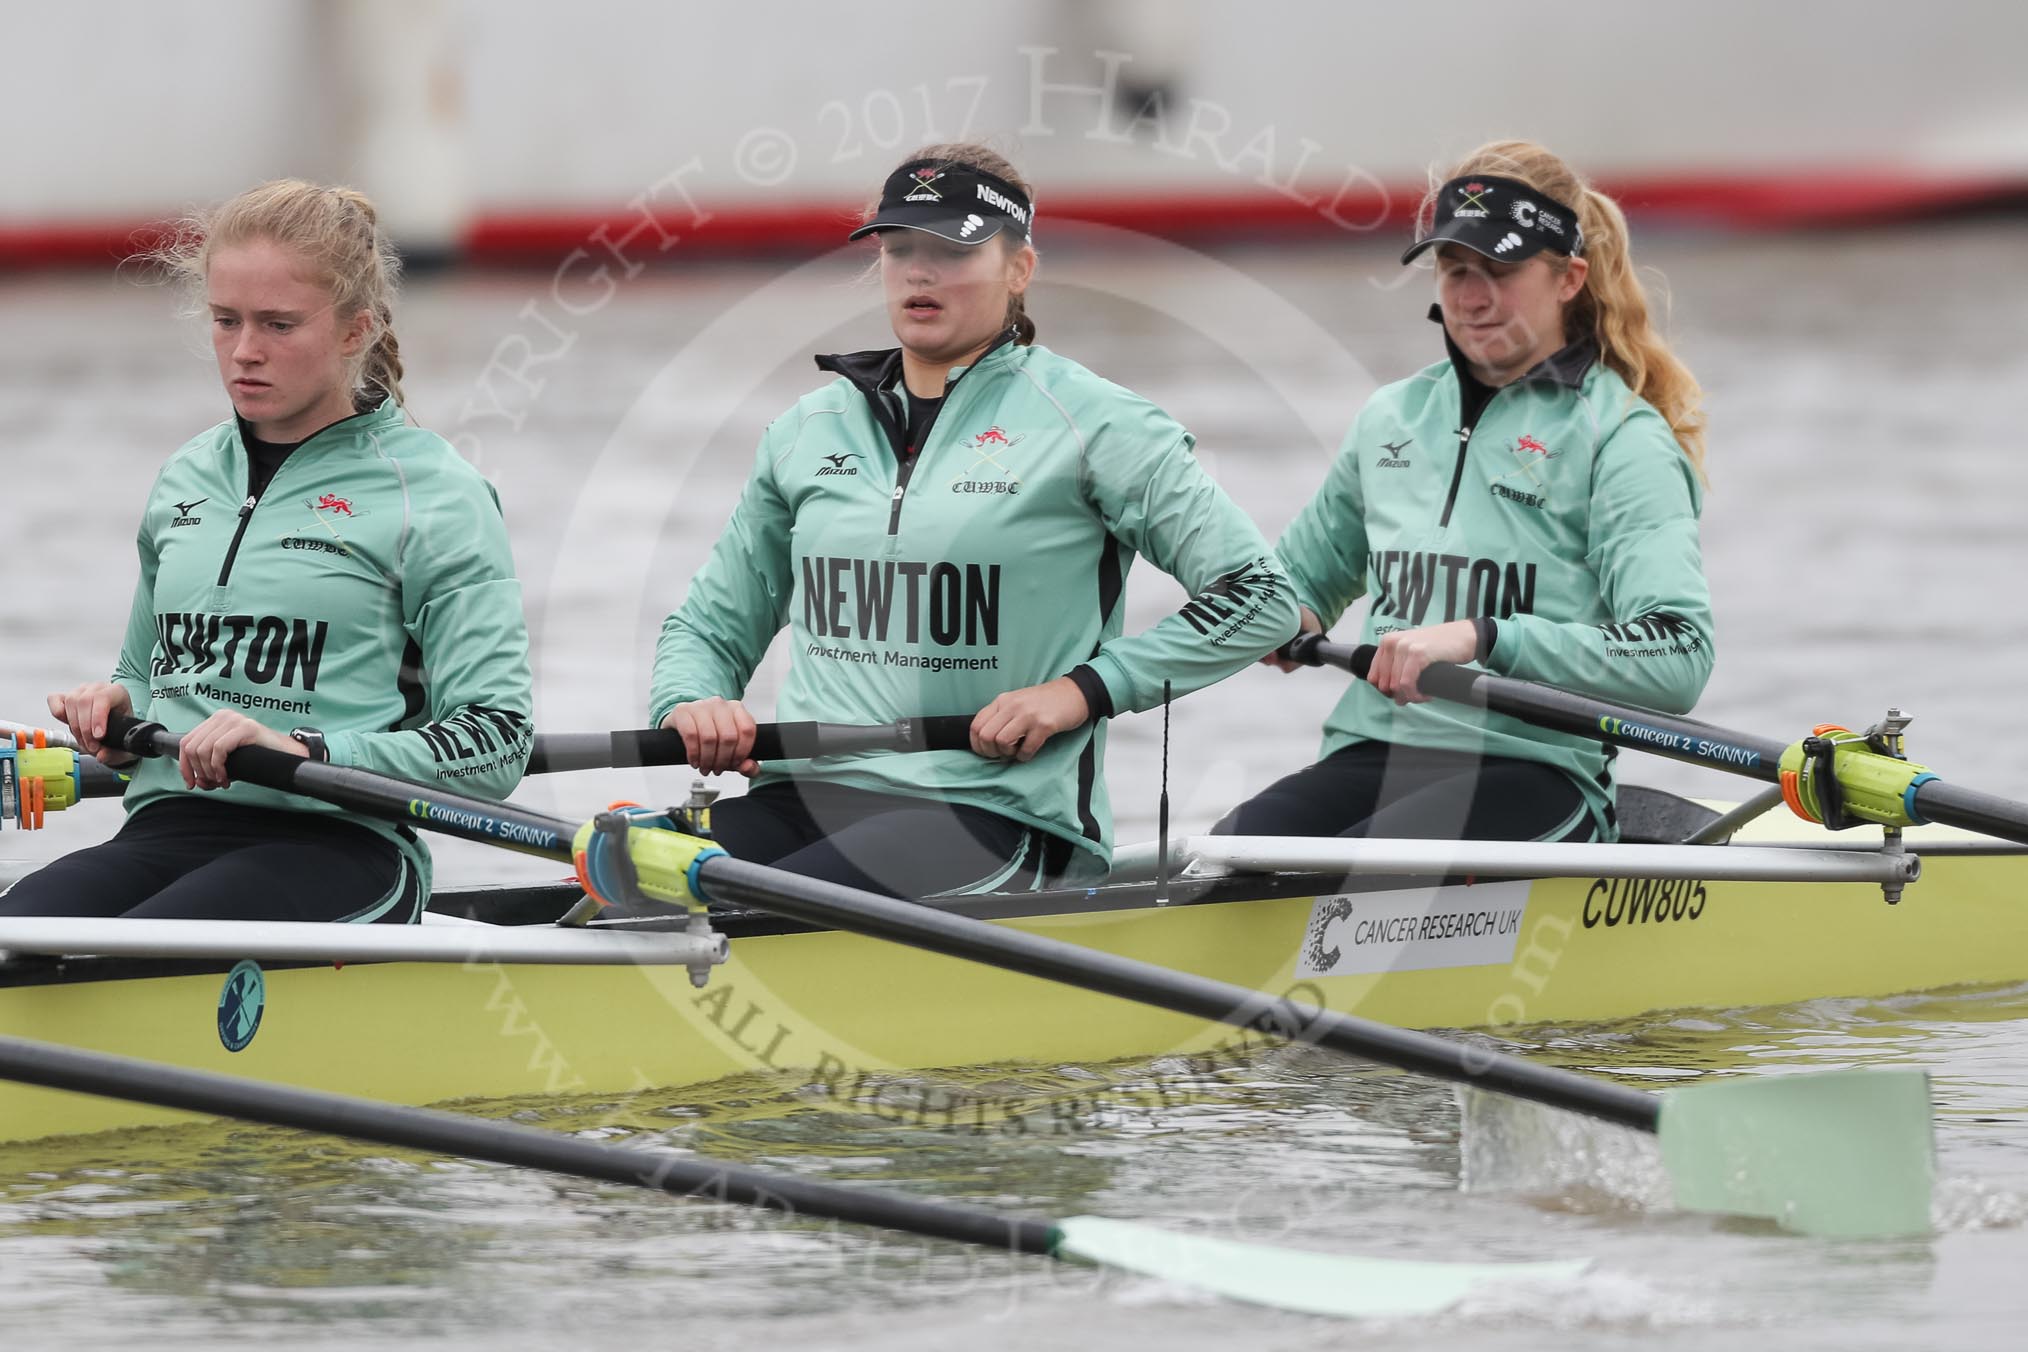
{"type": "Point", "coordinates": [544, 235]}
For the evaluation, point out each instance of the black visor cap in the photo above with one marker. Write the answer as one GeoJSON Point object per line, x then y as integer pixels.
{"type": "Point", "coordinates": [1501, 218]}
{"type": "Point", "coordinates": [951, 201]}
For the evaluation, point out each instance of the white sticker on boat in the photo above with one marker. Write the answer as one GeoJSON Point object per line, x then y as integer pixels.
{"type": "Point", "coordinates": [1408, 931]}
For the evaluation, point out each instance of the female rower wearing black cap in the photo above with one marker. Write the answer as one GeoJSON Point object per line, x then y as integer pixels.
{"type": "Point", "coordinates": [946, 527]}
{"type": "Point", "coordinates": [1529, 504]}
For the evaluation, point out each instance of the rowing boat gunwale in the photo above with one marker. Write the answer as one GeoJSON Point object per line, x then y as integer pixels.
{"type": "Point", "coordinates": [542, 903]}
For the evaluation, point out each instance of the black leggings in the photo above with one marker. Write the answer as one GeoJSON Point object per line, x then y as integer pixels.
{"type": "Point", "coordinates": [882, 842]}
{"type": "Point", "coordinates": [1406, 792]}
{"type": "Point", "coordinates": [187, 859]}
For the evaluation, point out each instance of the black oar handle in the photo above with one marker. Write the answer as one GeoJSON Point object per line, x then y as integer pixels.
{"type": "Point", "coordinates": [254, 764]}
{"type": "Point", "coordinates": [1441, 679]}
{"type": "Point", "coordinates": [559, 751]}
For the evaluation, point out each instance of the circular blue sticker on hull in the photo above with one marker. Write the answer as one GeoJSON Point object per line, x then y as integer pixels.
{"type": "Point", "coordinates": [240, 1005]}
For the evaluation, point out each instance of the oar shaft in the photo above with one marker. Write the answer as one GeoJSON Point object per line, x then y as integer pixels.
{"type": "Point", "coordinates": [560, 751]}
{"type": "Point", "coordinates": [473, 1138]}
{"type": "Point", "coordinates": [100, 781]}
{"type": "Point", "coordinates": [822, 903]}
{"type": "Point", "coordinates": [1671, 735]}
{"type": "Point", "coordinates": [370, 794]}
{"type": "Point", "coordinates": [1971, 810]}
{"type": "Point", "coordinates": [1678, 738]}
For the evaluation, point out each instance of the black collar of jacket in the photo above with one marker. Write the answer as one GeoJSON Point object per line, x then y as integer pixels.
{"type": "Point", "coordinates": [1566, 366]}
{"type": "Point", "coordinates": [877, 372]}
{"type": "Point", "coordinates": [879, 369]}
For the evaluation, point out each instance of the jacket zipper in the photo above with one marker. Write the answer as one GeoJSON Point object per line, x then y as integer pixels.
{"type": "Point", "coordinates": [246, 509]}
{"type": "Point", "coordinates": [899, 434]}
{"type": "Point", "coordinates": [245, 515]}
{"type": "Point", "coordinates": [909, 455]}
{"type": "Point", "coordinates": [1464, 445]}
{"type": "Point", "coordinates": [1457, 473]}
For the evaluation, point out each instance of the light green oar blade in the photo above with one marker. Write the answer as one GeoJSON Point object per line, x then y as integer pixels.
{"type": "Point", "coordinates": [1292, 1279]}
{"type": "Point", "coordinates": [1839, 1153]}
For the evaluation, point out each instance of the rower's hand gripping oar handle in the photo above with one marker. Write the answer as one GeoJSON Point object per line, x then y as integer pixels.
{"type": "Point", "coordinates": [254, 764]}
{"type": "Point", "coordinates": [1442, 679]}
{"type": "Point", "coordinates": [559, 751]}
{"type": "Point", "coordinates": [623, 854]}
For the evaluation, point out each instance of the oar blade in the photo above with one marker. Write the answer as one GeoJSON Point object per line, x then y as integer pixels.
{"type": "Point", "coordinates": [1344, 1285]}
{"type": "Point", "coordinates": [1845, 1153]}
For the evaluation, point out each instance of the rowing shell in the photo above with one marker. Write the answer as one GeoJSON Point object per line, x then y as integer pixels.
{"type": "Point", "coordinates": [493, 1012]}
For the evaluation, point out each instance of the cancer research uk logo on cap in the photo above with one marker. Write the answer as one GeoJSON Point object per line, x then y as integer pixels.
{"type": "Point", "coordinates": [1530, 216]}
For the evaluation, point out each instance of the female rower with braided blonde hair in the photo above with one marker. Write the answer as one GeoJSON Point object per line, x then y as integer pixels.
{"type": "Point", "coordinates": [318, 577]}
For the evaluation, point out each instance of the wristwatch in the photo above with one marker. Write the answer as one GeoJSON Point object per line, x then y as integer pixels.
{"type": "Point", "coordinates": [313, 742]}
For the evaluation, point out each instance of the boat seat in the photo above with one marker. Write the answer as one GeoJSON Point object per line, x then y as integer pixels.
{"type": "Point", "coordinates": [1654, 817]}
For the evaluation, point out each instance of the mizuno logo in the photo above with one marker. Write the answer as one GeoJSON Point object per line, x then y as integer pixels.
{"type": "Point", "coordinates": [837, 463]}
{"type": "Point", "coordinates": [1390, 454]}
{"type": "Point", "coordinates": [186, 508]}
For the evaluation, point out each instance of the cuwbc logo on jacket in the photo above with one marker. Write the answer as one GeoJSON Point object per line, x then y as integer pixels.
{"type": "Point", "coordinates": [986, 474]}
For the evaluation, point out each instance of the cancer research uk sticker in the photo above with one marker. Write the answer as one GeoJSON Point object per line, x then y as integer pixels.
{"type": "Point", "coordinates": [240, 1004]}
{"type": "Point", "coordinates": [1409, 931]}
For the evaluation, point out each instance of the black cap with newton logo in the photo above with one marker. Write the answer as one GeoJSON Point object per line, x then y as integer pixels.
{"type": "Point", "coordinates": [952, 201]}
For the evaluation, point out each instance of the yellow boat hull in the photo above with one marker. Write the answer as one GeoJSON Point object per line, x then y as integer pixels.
{"type": "Point", "coordinates": [832, 1006]}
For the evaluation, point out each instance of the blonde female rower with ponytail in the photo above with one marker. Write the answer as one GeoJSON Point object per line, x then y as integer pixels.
{"type": "Point", "coordinates": [317, 577]}
{"type": "Point", "coordinates": [1529, 504]}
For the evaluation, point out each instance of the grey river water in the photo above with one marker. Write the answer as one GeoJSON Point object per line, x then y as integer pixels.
{"type": "Point", "coordinates": [1864, 545]}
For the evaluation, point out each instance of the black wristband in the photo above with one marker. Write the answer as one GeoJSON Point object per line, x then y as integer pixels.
{"type": "Point", "coordinates": [1097, 699]}
{"type": "Point", "coordinates": [1489, 634]}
